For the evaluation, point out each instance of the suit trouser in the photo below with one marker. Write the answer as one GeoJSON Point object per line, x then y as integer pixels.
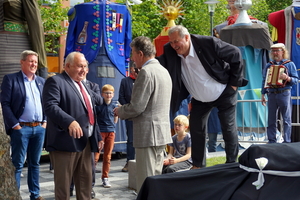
{"type": "Point", "coordinates": [93, 173]}
{"type": "Point", "coordinates": [226, 104]}
{"type": "Point", "coordinates": [76, 165]}
{"type": "Point", "coordinates": [129, 146]}
{"type": "Point", "coordinates": [149, 162]}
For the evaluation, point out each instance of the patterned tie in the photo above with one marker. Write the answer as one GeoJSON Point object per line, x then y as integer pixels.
{"type": "Point", "coordinates": [87, 103]}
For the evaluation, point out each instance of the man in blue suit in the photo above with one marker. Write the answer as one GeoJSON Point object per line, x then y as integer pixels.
{"type": "Point", "coordinates": [71, 135]}
{"type": "Point", "coordinates": [25, 121]}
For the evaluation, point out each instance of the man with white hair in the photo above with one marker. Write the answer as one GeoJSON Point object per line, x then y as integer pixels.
{"type": "Point", "coordinates": [211, 70]}
{"type": "Point", "coordinates": [279, 96]}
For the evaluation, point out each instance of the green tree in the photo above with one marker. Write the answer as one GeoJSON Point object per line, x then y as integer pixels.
{"type": "Point", "coordinates": [53, 14]}
{"type": "Point", "coordinates": [275, 5]}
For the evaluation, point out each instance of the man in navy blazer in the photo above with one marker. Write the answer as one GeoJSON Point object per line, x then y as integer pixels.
{"type": "Point", "coordinates": [25, 121]}
{"type": "Point", "coordinates": [71, 135]}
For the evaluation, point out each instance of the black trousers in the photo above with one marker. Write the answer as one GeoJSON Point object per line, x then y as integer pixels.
{"type": "Point", "coordinates": [200, 111]}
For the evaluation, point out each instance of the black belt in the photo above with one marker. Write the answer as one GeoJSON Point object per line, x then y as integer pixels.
{"type": "Point", "coordinates": [31, 124]}
{"type": "Point", "coordinates": [279, 91]}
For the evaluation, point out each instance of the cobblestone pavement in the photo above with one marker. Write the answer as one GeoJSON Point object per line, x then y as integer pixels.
{"type": "Point", "coordinates": [119, 181]}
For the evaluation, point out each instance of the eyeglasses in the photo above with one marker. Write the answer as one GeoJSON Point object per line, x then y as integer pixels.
{"type": "Point", "coordinates": [275, 50]}
{"type": "Point", "coordinates": [107, 93]}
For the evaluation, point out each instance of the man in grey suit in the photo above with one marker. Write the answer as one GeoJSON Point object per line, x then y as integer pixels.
{"type": "Point", "coordinates": [149, 110]}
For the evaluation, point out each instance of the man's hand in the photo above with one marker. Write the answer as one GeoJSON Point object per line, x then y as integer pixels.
{"type": "Point", "coordinates": [44, 124]}
{"type": "Point", "coordinates": [17, 127]}
{"type": "Point", "coordinates": [75, 130]}
{"type": "Point", "coordinates": [100, 145]}
{"type": "Point", "coordinates": [284, 76]}
{"type": "Point", "coordinates": [116, 110]}
{"type": "Point", "coordinates": [263, 100]}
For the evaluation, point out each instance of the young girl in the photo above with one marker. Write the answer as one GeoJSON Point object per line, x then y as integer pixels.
{"type": "Point", "coordinates": [179, 157]}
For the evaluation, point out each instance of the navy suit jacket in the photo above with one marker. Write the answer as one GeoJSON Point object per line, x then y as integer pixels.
{"type": "Point", "coordinates": [13, 97]}
{"type": "Point", "coordinates": [126, 90]}
{"type": "Point", "coordinates": [63, 104]}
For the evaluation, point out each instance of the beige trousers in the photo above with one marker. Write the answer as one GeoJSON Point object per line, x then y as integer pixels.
{"type": "Point", "coordinates": [149, 162]}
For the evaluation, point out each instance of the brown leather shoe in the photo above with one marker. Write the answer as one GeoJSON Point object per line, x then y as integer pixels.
{"type": "Point", "coordinates": [195, 167]}
{"type": "Point", "coordinates": [125, 168]}
{"type": "Point", "coordinates": [40, 198]}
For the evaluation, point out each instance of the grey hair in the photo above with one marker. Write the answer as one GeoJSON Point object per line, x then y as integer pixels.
{"type": "Point", "coordinates": [143, 44]}
{"type": "Point", "coordinates": [182, 31]}
{"type": "Point", "coordinates": [26, 53]}
{"type": "Point", "coordinates": [70, 58]}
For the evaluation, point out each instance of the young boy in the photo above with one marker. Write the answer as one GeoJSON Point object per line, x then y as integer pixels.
{"type": "Point", "coordinates": [107, 124]}
{"type": "Point", "coordinates": [179, 157]}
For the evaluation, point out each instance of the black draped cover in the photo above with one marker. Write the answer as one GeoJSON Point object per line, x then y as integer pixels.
{"type": "Point", "coordinates": [229, 181]}
{"type": "Point", "coordinates": [295, 119]}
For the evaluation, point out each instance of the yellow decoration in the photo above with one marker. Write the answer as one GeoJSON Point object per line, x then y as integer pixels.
{"type": "Point", "coordinates": [171, 10]}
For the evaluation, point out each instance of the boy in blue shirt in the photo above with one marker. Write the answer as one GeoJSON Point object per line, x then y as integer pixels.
{"type": "Point", "coordinates": [107, 124]}
{"type": "Point", "coordinates": [179, 157]}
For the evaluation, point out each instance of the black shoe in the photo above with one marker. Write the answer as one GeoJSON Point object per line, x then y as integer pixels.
{"type": "Point", "coordinates": [97, 170]}
{"type": "Point", "coordinates": [71, 193]}
{"type": "Point", "coordinates": [93, 193]}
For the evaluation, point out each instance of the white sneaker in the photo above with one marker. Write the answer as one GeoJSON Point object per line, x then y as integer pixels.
{"type": "Point", "coordinates": [106, 183]}
{"type": "Point", "coordinates": [22, 175]}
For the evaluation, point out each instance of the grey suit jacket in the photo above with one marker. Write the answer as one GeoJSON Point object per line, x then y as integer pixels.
{"type": "Point", "coordinates": [149, 106]}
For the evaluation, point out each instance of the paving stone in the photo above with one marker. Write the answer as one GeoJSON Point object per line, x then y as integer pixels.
{"type": "Point", "coordinates": [118, 191]}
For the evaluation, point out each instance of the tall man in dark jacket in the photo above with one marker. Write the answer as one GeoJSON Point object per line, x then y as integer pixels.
{"type": "Point", "coordinates": [211, 71]}
{"type": "Point", "coordinates": [25, 121]}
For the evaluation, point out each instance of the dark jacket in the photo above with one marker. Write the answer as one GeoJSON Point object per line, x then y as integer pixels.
{"type": "Point", "coordinates": [63, 104]}
{"type": "Point", "coordinates": [13, 97]}
{"type": "Point", "coordinates": [221, 60]}
{"type": "Point", "coordinates": [125, 90]}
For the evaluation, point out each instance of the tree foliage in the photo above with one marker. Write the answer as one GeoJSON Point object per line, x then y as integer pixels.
{"type": "Point", "coordinates": [275, 5]}
{"type": "Point", "coordinates": [53, 14]}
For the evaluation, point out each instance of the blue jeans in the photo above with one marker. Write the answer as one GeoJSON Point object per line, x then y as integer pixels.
{"type": "Point", "coordinates": [28, 140]}
{"type": "Point", "coordinates": [130, 149]}
{"type": "Point", "coordinates": [212, 142]}
{"type": "Point", "coordinates": [282, 102]}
